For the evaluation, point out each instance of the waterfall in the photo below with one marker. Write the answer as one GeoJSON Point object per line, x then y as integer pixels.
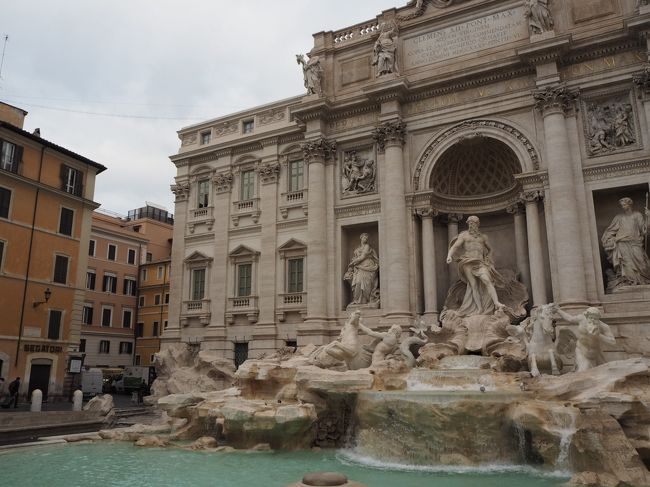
{"type": "Point", "coordinates": [565, 421]}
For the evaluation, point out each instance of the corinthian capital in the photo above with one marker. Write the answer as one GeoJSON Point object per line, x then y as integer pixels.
{"type": "Point", "coordinates": [556, 98]}
{"type": "Point", "coordinates": [642, 81]}
{"type": "Point", "coordinates": [390, 133]}
{"type": "Point", "coordinates": [268, 172]}
{"type": "Point", "coordinates": [426, 212]}
{"type": "Point", "coordinates": [181, 191]}
{"type": "Point", "coordinates": [531, 196]}
{"type": "Point", "coordinates": [318, 149]}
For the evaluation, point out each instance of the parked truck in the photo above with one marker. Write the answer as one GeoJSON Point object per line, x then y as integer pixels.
{"type": "Point", "coordinates": [132, 378]}
{"type": "Point", "coordinates": [91, 382]}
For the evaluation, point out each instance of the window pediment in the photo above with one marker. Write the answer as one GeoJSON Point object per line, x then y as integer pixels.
{"type": "Point", "coordinates": [198, 258]}
{"type": "Point", "coordinates": [242, 253]}
{"type": "Point", "coordinates": [293, 247]}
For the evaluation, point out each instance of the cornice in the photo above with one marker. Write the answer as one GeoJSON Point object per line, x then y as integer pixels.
{"type": "Point", "coordinates": [612, 169]}
{"type": "Point", "coordinates": [368, 208]}
{"type": "Point", "coordinates": [546, 51]}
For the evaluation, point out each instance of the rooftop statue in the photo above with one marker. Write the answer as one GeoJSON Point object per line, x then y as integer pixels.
{"type": "Point", "coordinates": [539, 16]}
{"type": "Point", "coordinates": [624, 242]}
{"type": "Point", "coordinates": [384, 55]}
{"type": "Point", "coordinates": [312, 72]}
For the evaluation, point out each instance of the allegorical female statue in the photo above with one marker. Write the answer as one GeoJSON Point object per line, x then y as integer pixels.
{"type": "Point", "coordinates": [624, 243]}
{"type": "Point", "coordinates": [312, 73]}
{"type": "Point", "coordinates": [539, 16]}
{"type": "Point", "coordinates": [384, 55]}
{"type": "Point", "coordinates": [363, 274]}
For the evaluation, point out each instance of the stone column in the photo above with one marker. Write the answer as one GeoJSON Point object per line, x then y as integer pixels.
{"type": "Point", "coordinates": [390, 137]}
{"type": "Point", "coordinates": [429, 272]}
{"type": "Point", "coordinates": [535, 248]}
{"type": "Point", "coordinates": [315, 153]}
{"type": "Point", "coordinates": [452, 232]}
{"type": "Point", "coordinates": [642, 82]}
{"type": "Point", "coordinates": [521, 243]}
{"type": "Point", "coordinates": [554, 102]}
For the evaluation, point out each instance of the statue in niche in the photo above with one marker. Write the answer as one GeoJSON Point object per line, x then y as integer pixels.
{"type": "Point", "coordinates": [589, 338]}
{"type": "Point", "coordinates": [475, 268]}
{"type": "Point", "coordinates": [359, 175]}
{"type": "Point", "coordinates": [610, 126]}
{"type": "Point", "coordinates": [363, 275]}
{"type": "Point", "coordinates": [312, 72]}
{"type": "Point", "coordinates": [539, 16]}
{"type": "Point", "coordinates": [385, 51]}
{"type": "Point", "coordinates": [624, 242]}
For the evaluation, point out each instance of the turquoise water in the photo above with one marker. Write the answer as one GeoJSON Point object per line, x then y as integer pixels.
{"type": "Point", "coordinates": [123, 465]}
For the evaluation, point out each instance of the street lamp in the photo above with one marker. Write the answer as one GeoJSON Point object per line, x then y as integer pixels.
{"type": "Point", "coordinates": [48, 294]}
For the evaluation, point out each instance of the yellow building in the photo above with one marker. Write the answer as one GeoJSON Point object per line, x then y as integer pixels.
{"type": "Point", "coordinates": [46, 202]}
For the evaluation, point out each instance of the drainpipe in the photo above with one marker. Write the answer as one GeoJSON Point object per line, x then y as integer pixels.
{"type": "Point", "coordinates": [137, 307]}
{"type": "Point", "coordinates": [29, 257]}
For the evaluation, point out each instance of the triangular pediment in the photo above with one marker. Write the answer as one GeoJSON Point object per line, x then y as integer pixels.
{"type": "Point", "coordinates": [241, 250]}
{"type": "Point", "coordinates": [197, 257]}
{"type": "Point", "coordinates": [292, 244]}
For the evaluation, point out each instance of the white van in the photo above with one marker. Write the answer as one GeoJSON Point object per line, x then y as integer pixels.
{"type": "Point", "coordinates": [92, 381]}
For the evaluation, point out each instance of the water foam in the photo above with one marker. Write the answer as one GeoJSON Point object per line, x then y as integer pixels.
{"type": "Point", "coordinates": [354, 458]}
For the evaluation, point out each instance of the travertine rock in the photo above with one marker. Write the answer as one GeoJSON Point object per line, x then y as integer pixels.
{"type": "Point", "coordinates": [152, 441]}
{"type": "Point", "coordinates": [102, 404]}
{"type": "Point", "coordinates": [204, 443]}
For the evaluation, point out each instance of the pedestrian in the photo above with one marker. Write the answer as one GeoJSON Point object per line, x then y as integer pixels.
{"type": "Point", "coordinates": [14, 387]}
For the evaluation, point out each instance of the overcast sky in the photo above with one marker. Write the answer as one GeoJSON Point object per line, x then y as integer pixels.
{"type": "Point", "coordinates": [114, 80]}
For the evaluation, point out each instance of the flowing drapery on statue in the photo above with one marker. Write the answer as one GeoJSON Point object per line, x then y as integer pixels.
{"type": "Point", "coordinates": [363, 274]}
{"type": "Point", "coordinates": [471, 251]}
{"type": "Point", "coordinates": [623, 241]}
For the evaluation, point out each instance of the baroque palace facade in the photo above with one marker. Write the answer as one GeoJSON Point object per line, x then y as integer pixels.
{"type": "Point", "coordinates": [532, 117]}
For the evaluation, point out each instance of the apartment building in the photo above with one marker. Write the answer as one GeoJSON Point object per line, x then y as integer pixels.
{"type": "Point", "coordinates": [153, 302]}
{"type": "Point", "coordinates": [46, 202]}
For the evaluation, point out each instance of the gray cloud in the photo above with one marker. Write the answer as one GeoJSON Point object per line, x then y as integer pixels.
{"type": "Point", "coordinates": [159, 59]}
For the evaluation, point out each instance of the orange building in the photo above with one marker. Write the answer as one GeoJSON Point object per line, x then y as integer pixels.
{"type": "Point", "coordinates": [46, 202]}
{"type": "Point", "coordinates": [153, 301]}
{"type": "Point", "coordinates": [128, 265]}
{"type": "Point", "coordinates": [109, 312]}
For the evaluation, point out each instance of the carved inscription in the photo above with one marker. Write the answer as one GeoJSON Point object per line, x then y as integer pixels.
{"type": "Point", "coordinates": [471, 36]}
{"type": "Point", "coordinates": [590, 67]}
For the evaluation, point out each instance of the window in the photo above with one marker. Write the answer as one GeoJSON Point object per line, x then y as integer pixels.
{"type": "Point", "coordinates": [296, 176]}
{"type": "Point", "coordinates": [137, 360]}
{"type": "Point", "coordinates": [112, 251]}
{"type": "Point", "coordinates": [127, 314]}
{"type": "Point", "coordinates": [295, 276]}
{"type": "Point", "coordinates": [107, 316]}
{"type": "Point", "coordinates": [109, 283]}
{"type": "Point", "coordinates": [156, 299]}
{"type": "Point", "coordinates": [159, 274]}
{"type": "Point", "coordinates": [104, 346]}
{"type": "Point", "coordinates": [248, 126]}
{"type": "Point", "coordinates": [126, 347]}
{"type": "Point", "coordinates": [241, 354]}
{"type": "Point", "coordinates": [60, 269]}
{"type": "Point", "coordinates": [131, 257]}
{"type": "Point", "coordinates": [91, 248]}
{"type": "Point", "coordinates": [247, 185]}
{"type": "Point", "coordinates": [166, 294]}
{"type": "Point", "coordinates": [149, 256]}
{"type": "Point", "coordinates": [143, 275]}
{"type": "Point", "coordinates": [244, 274]}
{"type": "Point", "coordinates": [203, 193]}
{"type": "Point", "coordinates": [82, 345]}
{"type": "Point", "coordinates": [54, 325]}
{"type": "Point", "coordinates": [198, 284]}
{"type": "Point", "coordinates": [141, 302]}
{"type": "Point", "coordinates": [90, 280]}
{"type": "Point", "coordinates": [129, 286]}
{"type": "Point", "coordinates": [71, 180]}
{"type": "Point", "coordinates": [2, 255]}
{"type": "Point", "coordinates": [10, 156]}
{"type": "Point", "coordinates": [151, 358]}
{"type": "Point", "coordinates": [87, 315]}
{"type": "Point", "coordinates": [155, 329]}
{"type": "Point", "coordinates": [5, 200]}
{"type": "Point", "coordinates": [166, 324]}
{"type": "Point", "coordinates": [65, 221]}
{"type": "Point", "coordinates": [139, 330]}
{"type": "Point", "coordinates": [205, 138]}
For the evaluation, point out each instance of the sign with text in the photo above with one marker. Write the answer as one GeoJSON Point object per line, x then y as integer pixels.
{"type": "Point", "coordinates": [469, 37]}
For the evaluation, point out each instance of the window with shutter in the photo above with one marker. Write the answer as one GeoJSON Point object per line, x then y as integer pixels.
{"type": "Point", "coordinates": [54, 325]}
{"type": "Point", "coordinates": [90, 280]}
{"type": "Point", "coordinates": [87, 316]}
{"type": "Point", "coordinates": [65, 221]}
{"type": "Point", "coordinates": [10, 156]}
{"type": "Point", "coordinates": [71, 180]}
{"type": "Point", "coordinates": [5, 201]}
{"type": "Point", "coordinates": [60, 269]}
{"type": "Point", "coordinates": [107, 316]}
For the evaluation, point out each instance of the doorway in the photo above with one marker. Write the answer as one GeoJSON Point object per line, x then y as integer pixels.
{"type": "Point", "coordinates": [39, 378]}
